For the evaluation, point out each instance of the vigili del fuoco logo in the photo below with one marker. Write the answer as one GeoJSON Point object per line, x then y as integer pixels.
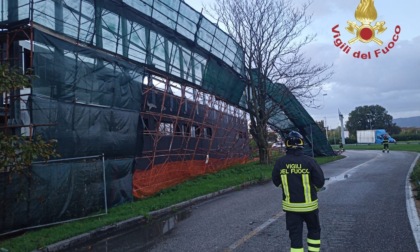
{"type": "Point", "coordinates": [366, 32]}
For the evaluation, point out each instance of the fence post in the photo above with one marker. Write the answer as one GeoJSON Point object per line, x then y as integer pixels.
{"type": "Point", "coordinates": [103, 172]}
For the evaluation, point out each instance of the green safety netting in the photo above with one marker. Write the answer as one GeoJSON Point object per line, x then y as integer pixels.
{"type": "Point", "coordinates": [288, 114]}
{"type": "Point", "coordinates": [91, 58]}
{"type": "Point", "coordinates": [62, 190]}
{"type": "Point", "coordinates": [168, 36]}
{"type": "Point", "coordinates": [294, 117]}
{"type": "Point", "coordinates": [89, 101]}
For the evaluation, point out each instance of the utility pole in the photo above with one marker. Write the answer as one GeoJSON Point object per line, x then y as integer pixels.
{"type": "Point", "coordinates": [326, 127]}
{"type": "Point", "coordinates": [340, 116]}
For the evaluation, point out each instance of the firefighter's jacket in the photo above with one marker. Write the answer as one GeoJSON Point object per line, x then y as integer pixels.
{"type": "Point", "coordinates": [300, 177]}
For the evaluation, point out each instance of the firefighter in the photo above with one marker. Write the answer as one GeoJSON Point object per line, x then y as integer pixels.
{"type": "Point", "coordinates": [341, 146]}
{"type": "Point", "coordinates": [385, 142]}
{"type": "Point", "coordinates": [300, 178]}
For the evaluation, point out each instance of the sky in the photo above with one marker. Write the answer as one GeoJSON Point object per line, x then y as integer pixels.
{"type": "Point", "coordinates": [390, 80]}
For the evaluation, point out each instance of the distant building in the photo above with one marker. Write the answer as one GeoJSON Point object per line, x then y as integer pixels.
{"type": "Point", "coordinates": [346, 134]}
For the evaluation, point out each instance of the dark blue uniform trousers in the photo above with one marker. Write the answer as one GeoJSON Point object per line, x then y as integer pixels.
{"type": "Point", "coordinates": [294, 224]}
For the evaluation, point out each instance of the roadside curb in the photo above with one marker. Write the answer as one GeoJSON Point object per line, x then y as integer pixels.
{"type": "Point", "coordinates": [411, 206]}
{"type": "Point", "coordinates": [103, 232]}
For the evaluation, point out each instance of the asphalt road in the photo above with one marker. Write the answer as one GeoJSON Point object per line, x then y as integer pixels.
{"type": "Point", "coordinates": [364, 208]}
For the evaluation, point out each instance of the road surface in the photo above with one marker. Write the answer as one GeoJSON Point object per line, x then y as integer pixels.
{"type": "Point", "coordinates": [362, 209]}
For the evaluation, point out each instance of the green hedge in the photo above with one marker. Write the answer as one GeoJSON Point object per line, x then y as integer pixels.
{"type": "Point", "coordinates": [408, 137]}
{"type": "Point", "coordinates": [415, 178]}
{"type": "Point", "coordinates": [348, 141]}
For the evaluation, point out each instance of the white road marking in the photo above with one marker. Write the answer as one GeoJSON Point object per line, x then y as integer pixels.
{"type": "Point", "coordinates": [254, 232]}
{"type": "Point", "coordinates": [345, 175]}
{"type": "Point", "coordinates": [411, 207]}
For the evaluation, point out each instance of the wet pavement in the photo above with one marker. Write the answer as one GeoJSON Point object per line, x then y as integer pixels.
{"type": "Point", "coordinates": [363, 208]}
{"type": "Point", "coordinates": [138, 238]}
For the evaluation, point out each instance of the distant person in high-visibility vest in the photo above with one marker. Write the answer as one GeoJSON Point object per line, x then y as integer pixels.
{"type": "Point", "coordinates": [300, 177]}
{"type": "Point", "coordinates": [385, 142]}
{"type": "Point", "coordinates": [341, 146]}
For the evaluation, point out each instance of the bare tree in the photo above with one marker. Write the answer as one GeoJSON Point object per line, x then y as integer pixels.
{"type": "Point", "coordinates": [271, 32]}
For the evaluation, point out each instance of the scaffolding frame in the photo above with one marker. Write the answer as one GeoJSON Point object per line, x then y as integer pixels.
{"type": "Point", "coordinates": [198, 127]}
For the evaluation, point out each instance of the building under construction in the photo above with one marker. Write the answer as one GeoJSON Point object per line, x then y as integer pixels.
{"type": "Point", "coordinates": [139, 94]}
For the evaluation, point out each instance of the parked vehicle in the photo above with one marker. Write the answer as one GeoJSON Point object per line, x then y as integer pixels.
{"type": "Point", "coordinates": [374, 136]}
{"type": "Point", "coordinates": [277, 145]}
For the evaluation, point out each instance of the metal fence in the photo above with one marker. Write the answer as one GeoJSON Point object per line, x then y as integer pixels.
{"type": "Point", "coordinates": [55, 192]}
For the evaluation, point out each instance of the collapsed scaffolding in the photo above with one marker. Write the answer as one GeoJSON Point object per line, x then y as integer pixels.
{"type": "Point", "coordinates": [153, 87]}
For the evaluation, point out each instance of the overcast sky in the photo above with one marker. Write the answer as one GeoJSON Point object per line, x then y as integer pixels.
{"type": "Point", "coordinates": [390, 80]}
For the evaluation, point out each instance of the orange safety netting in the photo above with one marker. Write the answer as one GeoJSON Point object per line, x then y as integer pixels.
{"type": "Point", "coordinates": [162, 176]}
